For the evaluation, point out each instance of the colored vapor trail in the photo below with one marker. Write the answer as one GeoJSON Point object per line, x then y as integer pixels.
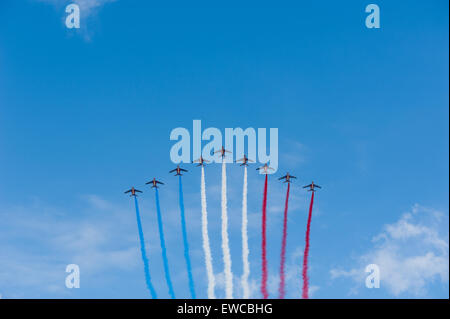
{"type": "Point", "coordinates": [281, 289]}
{"type": "Point", "coordinates": [245, 250]}
{"type": "Point", "coordinates": [306, 254]}
{"type": "Point", "coordinates": [205, 237]}
{"type": "Point", "coordinates": [225, 243]}
{"type": "Point", "coordinates": [185, 241]}
{"type": "Point", "coordinates": [264, 291]}
{"type": "Point", "coordinates": [163, 246]}
{"type": "Point", "coordinates": [144, 255]}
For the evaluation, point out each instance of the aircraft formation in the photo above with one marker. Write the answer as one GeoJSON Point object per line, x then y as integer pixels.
{"type": "Point", "coordinates": [201, 162]}
{"type": "Point", "coordinates": [244, 162]}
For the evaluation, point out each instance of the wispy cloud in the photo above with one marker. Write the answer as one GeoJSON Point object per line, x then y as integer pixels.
{"type": "Point", "coordinates": [88, 10]}
{"type": "Point", "coordinates": [87, 7]}
{"type": "Point", "coordinates": [38, 241]}
{"type": "Point", "coordinates": [411, 254]}
{"type": "Point", "coordinates": [294, 154]}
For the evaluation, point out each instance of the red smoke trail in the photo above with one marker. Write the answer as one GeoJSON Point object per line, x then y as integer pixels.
{"type": "Point", "coordinates": [281, 289]}
{"type": "Point", "coordinates": [264, 257]}
{"type": "Point", "coordinates": [305, 256]}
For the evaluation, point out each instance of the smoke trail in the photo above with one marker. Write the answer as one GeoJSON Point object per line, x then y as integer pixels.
{"type": "Point", "coordinates": [245, 250]}
{"type": "Point", "coordinates": [225, 245]}
{"type": "Point", "coordinates": [305, 256]}
{"type": "Point", "coordinates": [206, 248]}
{"type": "Point", "coordinates": [185, 241]}
{"type": "Point", "coordinates": [163, 246]}
{"type": "Point", "coordinates": [264, 256]}
{"type": "Point", "coordinates": [144, 256]}
{"type": "Point", "coordinates": [281, 289]}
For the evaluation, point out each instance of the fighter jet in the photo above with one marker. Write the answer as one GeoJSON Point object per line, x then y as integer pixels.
{"type": "Point", "coordinates": [265, 168]}
{"type": "Point", "coordinates": [178, 170]}
{"type": "Point", "coordinates": [133, 191]}
{"type": "Point", "coordinates": [222, 152]}
{"type": "Point", "coordinates": [200, 161]}
{"type": "Point", "coordinates": [154, 183]}
{"type": "Point", "coordinates": [311, 187]}
{"type": "Point", "coordinates": [287, 178]}
{"type": "Point", "coordinates": [244, 161]}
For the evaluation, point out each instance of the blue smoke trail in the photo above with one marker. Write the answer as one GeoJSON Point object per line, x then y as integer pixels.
{"type": "Point", "coordinates": [144, 256]}
{"type": "Point", "coordinates": [185, 240]}
{"type": "Point", "coordinates": [163, 246]}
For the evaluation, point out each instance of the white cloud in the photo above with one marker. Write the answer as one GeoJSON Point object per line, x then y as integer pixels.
{"type": "Point", "coordinates": [312, 290]}
{"type": "Point", "coordinates": [411, 253]}
{"type": "Point", "coordinates": [40, 240]}
{"type": "Point", "coordinates": [98, 202]}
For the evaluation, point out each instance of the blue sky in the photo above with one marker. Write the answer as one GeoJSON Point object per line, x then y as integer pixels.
{"type": "Point", "coordinates": [85, 114]}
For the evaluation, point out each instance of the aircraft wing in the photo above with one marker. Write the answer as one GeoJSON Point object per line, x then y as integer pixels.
{"type": "Point", "coordinates": [307, 186]}
{"type": "Point", "coordinates": [136, 190]}
{"type": "Point", "coordinates": [128, 191]}
{"type": "Point", "coordinates": [174, 170]}
{"type": "Point", "coordinates": [293, 176]}
{"type": "Point", "coordinates": [158, 182]}
{"type": "Point", "coordinates": [183, 170]}
{"type": "Point", "coordinates": [282, 177]}
{"type": "Point", "coordinates": [317, 186]}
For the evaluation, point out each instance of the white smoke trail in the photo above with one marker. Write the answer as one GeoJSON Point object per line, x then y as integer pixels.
{"type": "Point", "coordinates": [225, 245]}
{"type": "Point", "coordinates": [206, 247]}
{"type": "Point", "coordinates": [245, 250]}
